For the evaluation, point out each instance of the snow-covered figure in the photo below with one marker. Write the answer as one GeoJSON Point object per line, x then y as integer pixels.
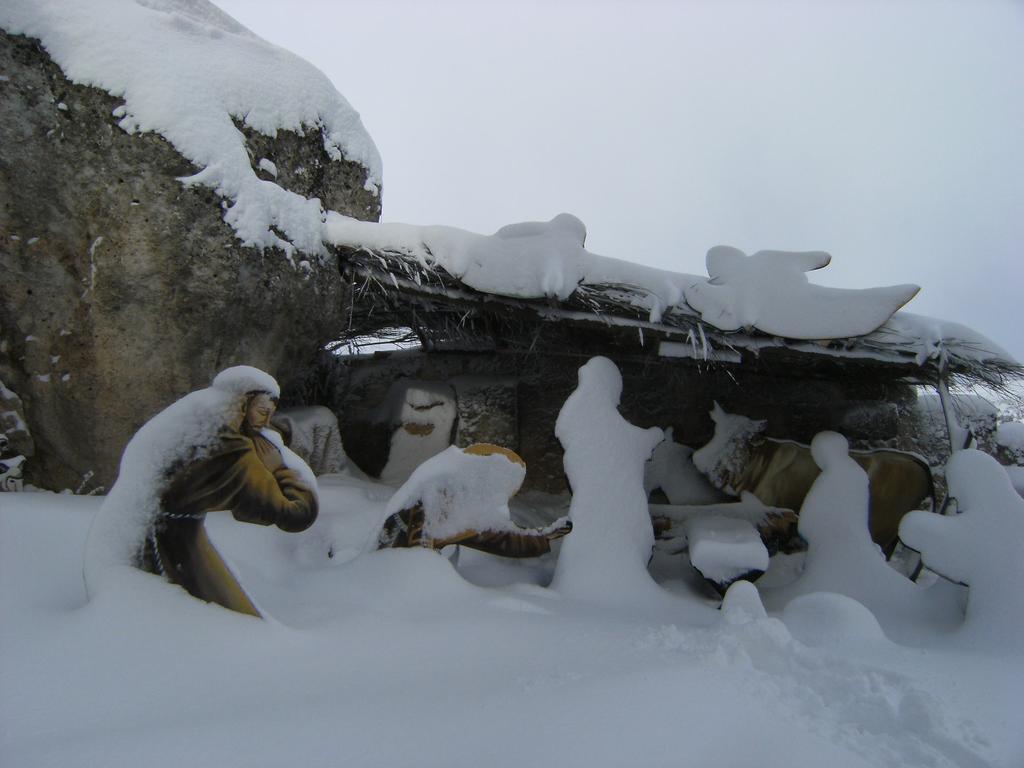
{"type": "Point", "coordinates": [770, 291]}
{"type": "Point", "coordinates": [312, 432]}
{"type": "Point", "coordinates": [607, 554]}
{"type": "Point", "coordinates": [982, 546]}
{"type": "Point", "coordinates": [460, 496]}
{"type": "Point", "coordinates": [211, 450]}
{"type": "Point", "coordinates": [841, 555]}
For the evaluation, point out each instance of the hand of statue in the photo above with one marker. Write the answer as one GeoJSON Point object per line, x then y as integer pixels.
{"type": "Point", "coordinates": [268, 454]}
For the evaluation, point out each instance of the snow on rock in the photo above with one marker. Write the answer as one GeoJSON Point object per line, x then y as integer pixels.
{"type": "Point", "coordinates": [182, 431]}
{"type": "Point", "coordinates": [606, 556]}
{"type": "Point", "coordinates": [982, 546]}
{"type": "Point", "coordinates": [672, 470]}
{"type": "Point", "coordinates": [828, 618]}
{"type": "Point", "coordinates": [461, 491]}
{"type": "Point", "coordinates": [725, 455]}
{"type": "Point", "coordinates": [769, 291]}
{"type": "Point", "coordinates": [185, 70]}
{"type": "Point", "coordinates": [724, 548]}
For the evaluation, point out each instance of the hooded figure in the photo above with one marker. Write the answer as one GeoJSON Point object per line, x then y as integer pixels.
{"type": "Point", "coordinates": [209, 451]}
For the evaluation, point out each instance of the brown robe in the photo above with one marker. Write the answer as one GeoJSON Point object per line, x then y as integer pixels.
{"type": "Point", "coordinates": [234, 476]}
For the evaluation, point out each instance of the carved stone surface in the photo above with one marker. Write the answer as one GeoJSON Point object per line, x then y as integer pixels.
{"type": "Point", "coordinates": [122, 287]}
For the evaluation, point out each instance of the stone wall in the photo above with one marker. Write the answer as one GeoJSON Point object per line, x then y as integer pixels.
{"type": "Point", "coordinates": [526, 392]}
{"type": "Point", "coordinates": [124, 289]}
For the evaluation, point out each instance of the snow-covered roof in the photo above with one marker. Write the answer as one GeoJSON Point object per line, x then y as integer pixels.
{"type": "Point", "coordinates": [748, 306]}
{"type": "Point", "coordinates": [187, 72]}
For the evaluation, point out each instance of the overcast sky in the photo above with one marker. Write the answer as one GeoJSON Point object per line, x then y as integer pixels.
{"type": "Point", "coordinates": [890, 134]}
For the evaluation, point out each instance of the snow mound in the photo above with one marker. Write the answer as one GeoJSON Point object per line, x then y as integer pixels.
{"type": "Point", "coordinates": [186, 71]}
{"type": "Point", "coordinates": [461, 491]}
{"type": "Point", "coordinates": [612, 538]}
{"type": "Point", "coordinates": [742, 604]}
{"type": "Point", "coordinates": [827, 618]}
{"type": "Point", "coordinates": [982, 547]}
{"type": "Point", "coordinates": [770, 291]}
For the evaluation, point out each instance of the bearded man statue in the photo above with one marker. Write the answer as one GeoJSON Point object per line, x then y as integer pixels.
{"type": "Point", "coordinates": [210, 451]}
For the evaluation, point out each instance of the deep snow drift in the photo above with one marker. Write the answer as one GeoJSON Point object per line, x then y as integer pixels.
{"type": "Point", "coordinates": [397, 658]}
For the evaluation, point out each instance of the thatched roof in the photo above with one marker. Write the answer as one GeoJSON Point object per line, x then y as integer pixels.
{"type": "Point", "coordinates": [393, 288]}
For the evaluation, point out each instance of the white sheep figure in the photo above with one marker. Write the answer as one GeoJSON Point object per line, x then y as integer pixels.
{"type": "Point", "coordinates": [606, 555]}
{"type": "Point", "coordinates": [982, 546]}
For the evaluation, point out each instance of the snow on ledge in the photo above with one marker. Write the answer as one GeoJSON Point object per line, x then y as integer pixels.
{"type": "Point", "coordinates": [767, 291]}
{"type": "Point", "coordinates": [184, 69]}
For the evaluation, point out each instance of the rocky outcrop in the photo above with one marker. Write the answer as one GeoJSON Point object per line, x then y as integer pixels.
{"type": "Point", "coordinates": [123, 288]}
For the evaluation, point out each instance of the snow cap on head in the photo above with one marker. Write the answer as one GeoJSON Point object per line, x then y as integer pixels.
{"type": "Point", "coordinates": [242, 379]}
{"type": "Point", "coordinates": [976, 479]}
{"type": "Point", "coordinates": [829, 447]}
{"type": "Point", "coordinates": [601, 374]}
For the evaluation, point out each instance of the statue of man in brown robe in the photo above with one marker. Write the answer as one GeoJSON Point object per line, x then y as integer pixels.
{"type": "Point", "coordinates": [245, 473]}
{"type": "Point", "coordinates": [209, 451]}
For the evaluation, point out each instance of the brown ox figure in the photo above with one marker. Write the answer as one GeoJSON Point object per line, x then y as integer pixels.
{"type": "Point", "coordinates": [780, 473]}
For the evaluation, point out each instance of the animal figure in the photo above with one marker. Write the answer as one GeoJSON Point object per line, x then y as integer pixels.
{"type": "Point", "coordinates": [780, 474]}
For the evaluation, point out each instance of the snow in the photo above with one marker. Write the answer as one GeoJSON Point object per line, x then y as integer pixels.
{"type": "Point", "coordinates": [460, 491]}
{"type": "Point", "coordinates": [184, 430]}
{"type": "Point", "coordinates": [185, 70]}
{"type": "Point", "coordinates": [742, 604]}
{"type": "Point", "coordinates": [1010, 435]}
{"type": "Point", "coordinates": [982, 546]}
{"type": "Point", "coordinates": [768, 291]}
{"type": "Point", "coordinates": [723, 548]}
{"type": "Point", "coordinates": [672, 470]}
{"type": "Point", "coordinates": [828, 618]}
{"type": "Point", "coordinates": [605, 556]}
{"type": "Point", "coordinates": [842, 557]}
{"type": "Point", "coordinates": [315, 437]}
{"type": "Point", "coordinates": [723, 456]}
{"type": "Point", "coordinates": [399, 658]}
{"type": "Point", "coordinates": [424, 416]}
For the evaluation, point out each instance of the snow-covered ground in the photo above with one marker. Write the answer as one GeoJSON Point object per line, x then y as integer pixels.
{"type": "Point", "coordinates": [400, 658]}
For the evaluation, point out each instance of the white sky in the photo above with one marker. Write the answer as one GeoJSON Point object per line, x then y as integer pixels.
{"type": "Point", "coordinates": [890, 134]}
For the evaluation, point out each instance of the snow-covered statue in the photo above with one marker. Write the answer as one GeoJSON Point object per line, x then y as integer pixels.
{"type": "Point", "coordinates": [982, 546]}
{"type": "Point", "coordinates": [460, 496]}
{"type": "Point", "coordinates": [211, 450]}
{"type": "Point", "coordinates": [607, 554]}
{"type": "Point", "coordinates": [841, 555]}
{"type": "Point", "coordinates": [312, 432]}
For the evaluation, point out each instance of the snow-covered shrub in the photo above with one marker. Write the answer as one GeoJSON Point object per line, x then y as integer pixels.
{"type": "Point", "coordinates": [982, 546]}
{"type": "Point", "coordinates": [606, 555]}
